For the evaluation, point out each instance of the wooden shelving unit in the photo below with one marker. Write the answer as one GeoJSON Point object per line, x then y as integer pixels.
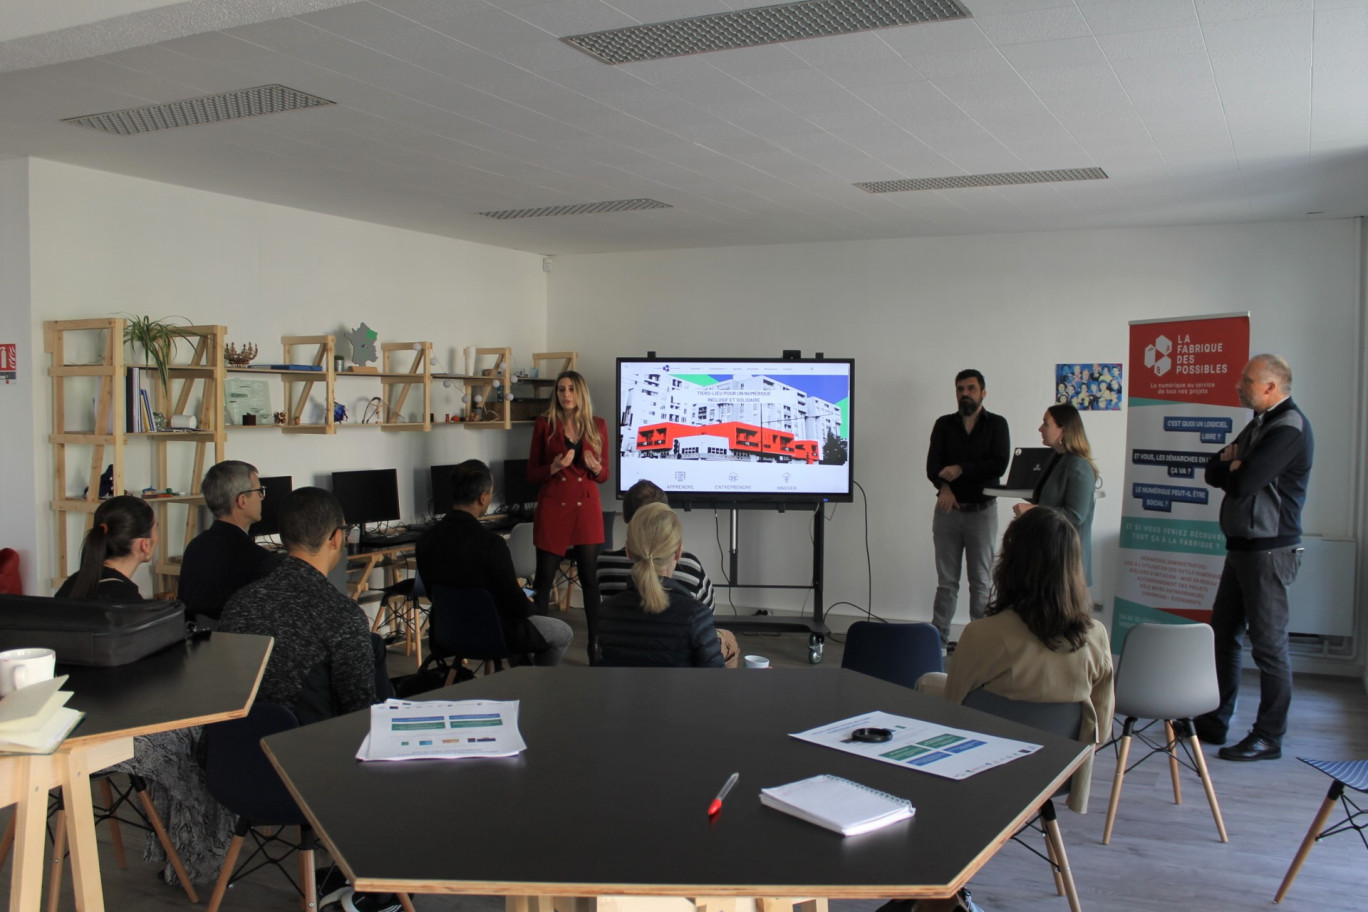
{"type": "Point", "coordinates": [88, 370]}
{"type": "Point", "coordinates": [195, 388]}
{"type": "Point", "coordinates": [484, 387]}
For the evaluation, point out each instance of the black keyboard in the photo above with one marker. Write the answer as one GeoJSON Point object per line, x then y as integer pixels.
{"type": "Point", "coordinates": [383, 539]}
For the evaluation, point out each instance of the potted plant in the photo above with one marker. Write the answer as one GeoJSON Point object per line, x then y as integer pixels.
{"type": "Point", "coordinates": [158, 338]}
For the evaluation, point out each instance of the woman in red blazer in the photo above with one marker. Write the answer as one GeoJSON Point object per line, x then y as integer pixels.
{"type": "Point", "coordinates": [569, 460]}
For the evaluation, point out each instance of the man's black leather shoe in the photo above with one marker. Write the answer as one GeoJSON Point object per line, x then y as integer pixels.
{"type": "Point", "coordinates": [1253, 747]}
{"type": "Point", "coordinates": [1209, 730]}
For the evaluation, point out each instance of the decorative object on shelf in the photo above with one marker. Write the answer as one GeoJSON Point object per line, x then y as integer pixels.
{"type": "Point", "coordinates": [249, 420]}
{"type": "Point", "coordinates": [278, 417]}
{"type": "Point", "coordinates": [469, 352]}
{"type": "Point", "coordinates": [158, 338]}
{"type": "Point", "coordinates": [362, 342]}
{"type": "Point", "coordinates": [340, 410]}
{"type": "Point", "coordinates": [521, 373]}
{"type": "Point", "coordinates": [239, 357]}
{"type": "Point", "coordinates": [159, 421]}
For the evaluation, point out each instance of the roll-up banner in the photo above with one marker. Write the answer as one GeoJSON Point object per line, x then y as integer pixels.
{"type": "Point", "coordinates": [1183, 408]}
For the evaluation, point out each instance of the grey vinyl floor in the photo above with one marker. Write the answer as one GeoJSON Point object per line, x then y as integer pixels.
{"type": "Point", "coordinates": [1162, 856]}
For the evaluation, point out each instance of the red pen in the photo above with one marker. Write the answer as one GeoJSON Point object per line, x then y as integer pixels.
{"type": "Point", "coordinates": [717, 802]}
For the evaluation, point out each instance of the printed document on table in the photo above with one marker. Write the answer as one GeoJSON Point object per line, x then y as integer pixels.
{"type": "Point", "coordinates": [949, 752]}
{"type": "Point", "coordinates": [442, 729]}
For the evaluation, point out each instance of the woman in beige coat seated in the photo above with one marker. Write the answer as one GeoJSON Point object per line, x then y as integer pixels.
{"type": "Point", "coordinates": [1039, 641]}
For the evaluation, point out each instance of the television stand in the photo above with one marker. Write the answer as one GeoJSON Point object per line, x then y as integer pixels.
{"type": "Point", "coordinates": [815, 627]}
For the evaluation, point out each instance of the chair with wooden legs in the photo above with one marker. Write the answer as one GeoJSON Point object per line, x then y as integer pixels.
{"type": "Point", "coordinates": [401, 607]}
{"type": "Point", "coordinates": [1064, 719]}
{"type": "Point", "coordinates": [1344, 774]}
{"type": "Point", "coordinates": [241, 779]}
{"type": "Point", "coordinates": [1167, 674]}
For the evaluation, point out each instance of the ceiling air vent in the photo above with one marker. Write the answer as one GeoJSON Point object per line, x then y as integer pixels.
{"type": "Point", "coordinates": [579, 209]}
{"type": "Point", "coordinates": [759, 25]}
{"type": "Point", "coordinates": [1005, 179]}
{"type": "Point", "coordinates": [189, 112]}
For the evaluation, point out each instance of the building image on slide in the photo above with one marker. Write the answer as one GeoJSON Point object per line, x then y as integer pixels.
{"type": "Point", "coordinates": [746, 417]}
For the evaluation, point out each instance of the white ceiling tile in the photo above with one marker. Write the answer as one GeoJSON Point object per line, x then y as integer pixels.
{"type": "Point", "coordinates": [1176, 41]}
{"type": "Point", "coordinates": [1034, 25]}
{"type": "Point", "coordinates": [790, 82]}
{"type": "Point", "coordinates": [1266, 32]}
{"type": "Point", "coordinates": [935, 37]}
{"type": "Point", "coordinates": [1065, 52]}
{"type": "Point", "coordinates": [973, 62]}
{"type": "Point", "coordinates": [1236, 10]}
{"type": "Point", "coordinates": [573, 17]}
{"type": "Point", "coordinates": [355, 20]}
{"type": "Point", "coordinates": [1129, 16]}
{"type": "Point", "coordinates": [767, 58]}
{"type": "Point", "coordinates": [883, 72]}
{"type": "Point", "coordinates": [820, 102]}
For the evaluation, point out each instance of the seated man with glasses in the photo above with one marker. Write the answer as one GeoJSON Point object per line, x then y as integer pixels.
{"type": "Point", "coordinates": [323, 663]}
{"type": "Point", "coordinates": [224, 558]}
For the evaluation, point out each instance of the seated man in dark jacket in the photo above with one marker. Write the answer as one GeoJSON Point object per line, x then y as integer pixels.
{"type": "Point", "coordinates": [322, 663]}
{"type": "Point", "coordinates": [461, 553]}
{"type": "Point", "coordinates": [224, 558]}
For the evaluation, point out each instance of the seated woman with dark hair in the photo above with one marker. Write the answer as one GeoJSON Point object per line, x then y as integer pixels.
{"type": "Point", "coordinates": [123, 536]}
{"type": "Point", "coordinates": [1039, 641]}
{"type": "Point", "coordinates": [656, 622]}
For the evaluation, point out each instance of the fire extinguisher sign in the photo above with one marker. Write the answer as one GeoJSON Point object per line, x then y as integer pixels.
{"type": "Point", "coordinates": [9, 362]}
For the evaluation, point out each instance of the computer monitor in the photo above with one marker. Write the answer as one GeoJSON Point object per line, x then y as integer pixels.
{"type": "Point", "coordinates": [519, 494]}
{"type": "Point", "coordinates": [277, 487]}
{"type": "Point", "coordinates": [441, 489]}
{"type": "Point", "coordinates": [367, 495]}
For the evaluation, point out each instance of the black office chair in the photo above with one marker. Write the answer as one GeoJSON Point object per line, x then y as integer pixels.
{"type": "Point", "coordinates": [1064, 719]}
{"type": "Point", "coordinates": [1345, 774]}
{"type": "Point", "coordinates": [900, 653]}
{"type": "Point", "coordinates": [241, 779]}
{"type": "Point", "coordinates": [464, 624]}
{"type": "Point", "coordinates": [402, 609]}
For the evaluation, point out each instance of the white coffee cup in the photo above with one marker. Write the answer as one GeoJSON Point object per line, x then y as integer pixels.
{"type": "Point", "coordinates": [754, 661]}
{"type": "Point", "coordinates": [22, 667]}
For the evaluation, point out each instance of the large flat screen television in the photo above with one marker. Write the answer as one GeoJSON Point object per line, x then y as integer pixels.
{"type": "Point", "coordinates": [737, 429]}
{"type": "Point", "coordinates": [277, 488]}
{"type": "Point", "coordinates": [367, 495]}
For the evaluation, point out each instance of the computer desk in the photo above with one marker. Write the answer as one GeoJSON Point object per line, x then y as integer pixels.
{"type": "Point", "coordinates": [187, 684]}
{"type": "Point", "coordinates": [611, 795]}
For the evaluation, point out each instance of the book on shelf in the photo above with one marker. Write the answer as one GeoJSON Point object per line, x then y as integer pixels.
{"type": "Point", "coordinates": [35, 719]}
{"type": "Point", "coordinates": [837, 804]}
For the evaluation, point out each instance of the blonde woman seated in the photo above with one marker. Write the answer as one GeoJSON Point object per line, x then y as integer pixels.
{"type": "Point", "coordinates": [656, 622]}
{"type": "Point", "coordinates": [1039, 641]}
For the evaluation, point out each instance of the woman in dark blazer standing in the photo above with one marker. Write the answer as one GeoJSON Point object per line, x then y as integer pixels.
{"type": "Point", "coordinates": [569, 460]}
{"type": "Point", "coordinates": [1069, 483]}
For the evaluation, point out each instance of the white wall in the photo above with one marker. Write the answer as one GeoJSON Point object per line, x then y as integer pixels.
{"type": "Point", "coordinates": [914, 312]}
{"type": "Point", "coordinates": [18, 507]}
{"type": "Point", "coordinates": [103, 244]}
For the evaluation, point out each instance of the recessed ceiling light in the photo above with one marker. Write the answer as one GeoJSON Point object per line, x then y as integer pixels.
{"type": "Point", "coordinates": [1004, 179]}
{"type": "Point", "coordinates": [631, 205]}
{"type": "Point", "coordinates": [189, 112]}
{"type": "Point", "coordinates": [759, 25]}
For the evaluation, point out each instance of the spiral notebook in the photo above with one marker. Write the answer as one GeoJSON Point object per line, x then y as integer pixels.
{"type": "Point", "coordinates": [838, 804]}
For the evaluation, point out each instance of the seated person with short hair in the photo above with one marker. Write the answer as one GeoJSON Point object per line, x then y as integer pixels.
{"type": "Point", "coordinates": [224, 558]}
{"type": "Point", "coordinates": [656, 622]}
{"type": "Point", "coordinates": [323, 663]}
{"type": "Point", "coordinates": [615, 567]}
{"type": "Point", "coordinates": [459, 552]}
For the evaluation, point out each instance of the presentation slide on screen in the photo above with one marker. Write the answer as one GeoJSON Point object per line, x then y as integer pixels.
{"type": "Point", "coordinates": [736, 428]}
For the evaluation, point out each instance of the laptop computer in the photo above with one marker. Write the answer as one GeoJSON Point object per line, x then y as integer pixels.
{"type": "Point", "coordinates": [1028, 464]}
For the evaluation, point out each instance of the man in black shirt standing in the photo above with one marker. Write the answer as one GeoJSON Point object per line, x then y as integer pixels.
{"type": "Point", "coordinates": [969, 448]}
{"type": "Point", "coordinates": [224, 558]}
